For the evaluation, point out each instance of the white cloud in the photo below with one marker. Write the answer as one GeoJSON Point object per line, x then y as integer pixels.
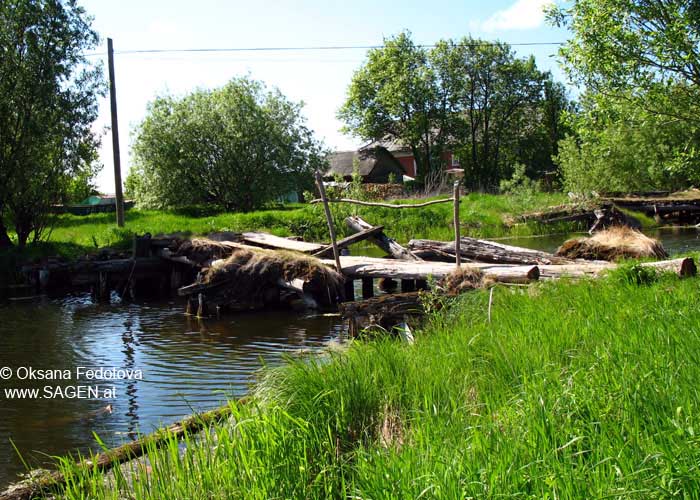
{"type": "Point", "coordinates": [522, 15]}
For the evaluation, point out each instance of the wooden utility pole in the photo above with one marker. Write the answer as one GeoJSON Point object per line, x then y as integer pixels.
{"type": "Point", "coordinates": [329, 219]}
{"type": "Point", "coordinates": [115, 137]}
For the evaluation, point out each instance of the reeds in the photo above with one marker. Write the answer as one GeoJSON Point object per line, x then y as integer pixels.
{"type": "Point", "coordinates": [573, 390]}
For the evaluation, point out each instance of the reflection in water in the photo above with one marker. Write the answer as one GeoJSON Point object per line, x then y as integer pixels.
{"type": "Point", "coordinates": [187, 364]}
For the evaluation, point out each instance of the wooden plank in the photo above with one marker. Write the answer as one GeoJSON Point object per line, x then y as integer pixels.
{"type": "Point", "coordinates": [384, 205]}
{"type": "Point", "coordinates": [345, 242]}
{"type": "Point", "coordinates": [266, 240]}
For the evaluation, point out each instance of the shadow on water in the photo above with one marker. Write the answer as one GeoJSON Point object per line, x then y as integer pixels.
{"type": "Point", "coordinates": [187, 365]}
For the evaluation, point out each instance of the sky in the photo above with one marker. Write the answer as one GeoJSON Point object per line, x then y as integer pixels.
{"type": "Point", "coordinates": [318, 78]}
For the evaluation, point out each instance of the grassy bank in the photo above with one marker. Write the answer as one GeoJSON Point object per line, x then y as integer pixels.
{"type": "Point", "coordinates": [482, 215]}
{"type": "Point", "coordinates": [585, 390]}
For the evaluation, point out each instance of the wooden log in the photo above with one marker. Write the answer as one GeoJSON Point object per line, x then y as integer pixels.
{"type": "Point", "coordinates": [266, 240]}
{"type": "Point", "coordinates": [345, 242]}
{"type": "Point", "coordinates": [387, 244]}
{"type": "Point", "coordinates": [684, 267]}
{"type": "Point", "coordinates": [384, 312]}
{"type": "Point", "coordinates": [46, 485]}
{"type": "Point", "coordinates": [482, 251]}
{"type": "Point", "coordinates": [370, 267]}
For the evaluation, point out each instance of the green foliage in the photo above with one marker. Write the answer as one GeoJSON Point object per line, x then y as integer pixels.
{"type": "Point", "coordinates": [633, 274]}
{"type": "Point", "coordinates": [474, 98]}
{"type": "Point", "coordinates": [48, 101]}
{"type": "Point", "coordinates": [239, 147]}
{"type": "Point", "coordinates": [619, 146]}
{"type": "Point", "coordinates": [572, 390]}
{"type": "Point", "coordinates": [640, 63]}
{"type": "Point", "coordinates": [519, 184]}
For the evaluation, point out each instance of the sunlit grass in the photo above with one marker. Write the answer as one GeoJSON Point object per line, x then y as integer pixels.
{"type": "Point", "coordinates": [572, 390]}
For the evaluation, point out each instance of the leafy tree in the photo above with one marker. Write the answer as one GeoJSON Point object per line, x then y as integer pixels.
{"type": "Point", "coordinates": [620, 146]}
{"type": "Point", "coordinates": [470, 96]}
{"type": "Point", "coordinates": [639, 61]}
{"type": "Point", "coordinates": [238, 147]}
{"type": "Point", "coordinates": [47, 105]}
{"type": "Point", "coordinates": [396, 95]}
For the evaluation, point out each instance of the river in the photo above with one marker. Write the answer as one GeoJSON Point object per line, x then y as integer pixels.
{"type": "Point", "coordinates": [181, 364]}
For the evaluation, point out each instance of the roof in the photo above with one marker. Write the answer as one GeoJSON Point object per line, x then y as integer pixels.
{"type": "Point", "coordinates": [343, 163]}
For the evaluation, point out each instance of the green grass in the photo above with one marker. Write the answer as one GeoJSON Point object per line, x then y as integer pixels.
{"type": "Point", "coordinates": [481, 215]}
{"type": "Point", "coordinates": [573, 390]}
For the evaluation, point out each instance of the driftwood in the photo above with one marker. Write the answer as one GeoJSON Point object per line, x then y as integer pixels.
{"type": "Point", "coordinates": [371, 267]}
{"type": "Point", "coordinates": [383, 312]}
{"type": "Point", "coordinates": [346, 242]}
{"type": "Point", "coordinates": [482, 251]}
{"type": "Point", "coordinates": [385, 205]}
{"type": "Point", "coordinates": [273, 242]}
{"type": "Point", "coordinates": [596, 217]}
{"type": "Point", "coordinates": [49, 483]}
{"type": "Point", "coordinates": [387, 244]}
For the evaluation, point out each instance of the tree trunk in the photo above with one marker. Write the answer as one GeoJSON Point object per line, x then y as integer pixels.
{"type": "Point", "coordinates": [5, 241]}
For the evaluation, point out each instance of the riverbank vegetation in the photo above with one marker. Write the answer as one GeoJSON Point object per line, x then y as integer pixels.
{"type": "Point", "coordinates": [570, 390]}
{"type": "Point", "coordinates": [481, 215]}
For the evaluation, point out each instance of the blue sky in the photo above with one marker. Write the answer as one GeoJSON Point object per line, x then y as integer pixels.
{"type": "Point", "coordinates": [319, 78]}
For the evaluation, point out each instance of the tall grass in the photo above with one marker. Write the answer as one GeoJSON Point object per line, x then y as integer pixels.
{"type": "Point", "coordinates": [572, 390]}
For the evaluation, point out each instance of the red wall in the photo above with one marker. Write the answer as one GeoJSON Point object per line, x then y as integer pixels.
{"type": "Point", "coordinates": [408, 165]}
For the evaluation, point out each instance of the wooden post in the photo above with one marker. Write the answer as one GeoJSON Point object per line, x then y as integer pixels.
{"type": "Point", "coordinates": [115, 137]}
{"type": "Point", "coordinates": [367, 288]}
{"type": "Point", "coordinates": [458, 256]}
{"type": "Point", "coordinates": [349, 290]}
{"type": "Point", "coordinates": [329, 219]}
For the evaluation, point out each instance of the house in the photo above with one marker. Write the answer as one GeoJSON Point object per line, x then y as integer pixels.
{"type": "Point", "coordinates": [405, 156]}
{"type": "Point", "coordinates": [374, 164]}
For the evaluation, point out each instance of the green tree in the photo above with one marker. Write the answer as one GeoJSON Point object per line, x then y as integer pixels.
{"type": "Point", "coordinates": [238, 147]}
{"type": "Point", "coordinates": [470, 96]}
{"type": "Point", "coordinates": [639, 62]}
{"type": "Point", "coordinates": [48, 94]}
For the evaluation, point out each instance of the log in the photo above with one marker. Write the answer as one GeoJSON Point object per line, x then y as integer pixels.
{"type": "Point", "coordinates": [684, 267]}
{"type": "Point", "coordinates": [482, 251]}
{"type": "Point", "coordinates": [371, 267]}
{"type": "Point", "coordinates": [271, 241]}
{"type": "Point", "coordinates": [49, 483]}
{"type": "Point", "coordinates": [346, 242]}
{"type": "Point", "coordinates": [385, 312]}
{"type": "Point", "coordinates": [387, 244]}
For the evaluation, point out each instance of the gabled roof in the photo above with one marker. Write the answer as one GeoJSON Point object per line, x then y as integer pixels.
{"type": "Point", "coordinates": [343, 162]}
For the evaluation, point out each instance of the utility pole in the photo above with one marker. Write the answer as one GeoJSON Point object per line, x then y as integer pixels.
{"type": "Point", "coordinates": [115, 137]}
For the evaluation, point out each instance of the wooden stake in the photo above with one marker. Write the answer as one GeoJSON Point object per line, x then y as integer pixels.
{"type": "Point", "coordinates": [329, 219]}
{"type": "Point", "coordinates": [458, 255]}
{"type": "Point", "coordinates": [115, 137]}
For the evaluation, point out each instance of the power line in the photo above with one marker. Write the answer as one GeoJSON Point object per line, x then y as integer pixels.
{"type": "Point", "coordinates": [311, 48]}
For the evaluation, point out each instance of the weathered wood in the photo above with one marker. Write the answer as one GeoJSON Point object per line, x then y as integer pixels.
{"type": "Point", "coordinates": [271, 241]}
{"type": "Point", "coordinates": [371, 267]}
{"type": "Point", "coordinates": [345, 242]}
{"type": "Point", "coordinates": [387, 244]}
{"type": "Point", "coordinates": [329, 220]}
{"type": "Point", "coordinates": [408, 286]}
{"type": "Point", "coordinates": [682, 267]}
{"type": "Point", "coordinates": [384, 312]}
{"type": "Point", "coordinates": [482, 251]}
{"type": "Point", "coordinates": [457, 243]}
{"type": "Point", "coordinates": [349, 290]}
{"type": "Point", "coordinates": [385, 205]}
{"type": "Point", "coordinates": [46, 484]}
{"type": "Point", "coordinates": [367, 288]}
